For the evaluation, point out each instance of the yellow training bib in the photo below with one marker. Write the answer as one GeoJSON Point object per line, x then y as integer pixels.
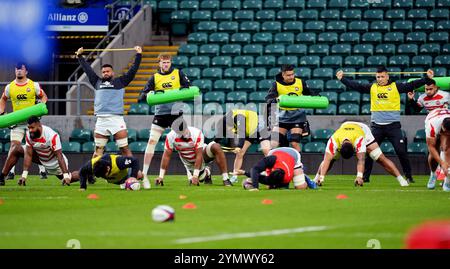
{"type": "Point", "coordinates": [22, 96]}
{"type": "Point", "coordinates": [115, 174]}
{"type": "Point", "coordinates": [348, 131]}
{"type": "Point", "coordinates": [295, 89]}
{"type": "Point", "coordinates": [251, 120]}
{"type": "Point", "coordinates": [384, 98]}
{"type": "Point", "coordinates": [167, 82]}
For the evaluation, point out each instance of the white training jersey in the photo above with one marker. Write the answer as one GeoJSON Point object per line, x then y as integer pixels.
{"type": "Point", "coordinates": [186, 147]}
{"type": "Point", "coordinates": [439, 100]}
{"type": "Point", "coordinates": [45, 146]}
{"type": "Point", "coordinates": [433, 122]}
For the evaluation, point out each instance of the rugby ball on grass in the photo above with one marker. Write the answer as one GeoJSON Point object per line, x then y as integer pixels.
{"type": "Point", "coordinates": [163, 213]}
{"type": "Point", "coordinates": [132, 184]}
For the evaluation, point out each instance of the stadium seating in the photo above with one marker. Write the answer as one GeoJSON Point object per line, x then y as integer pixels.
{"type": "Point", "coordinates": [88, 147]}
{"type": "Point", "coordinates": [81, 135]}
{"type": "Point", "coordinates": [418, 148]}
{"type": "Point", "coordinates": [71, 147]}
{"type": "Point", "coordinates": [314, 147]}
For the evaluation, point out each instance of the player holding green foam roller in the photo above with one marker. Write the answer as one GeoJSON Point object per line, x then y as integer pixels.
{"type": "Point", "coordinates": [22, 115]}
{"type": "Point", "coordinates": [24, 93]}
{"type": "Point", "coordinates": [166, 79]}
{"type": "Point", "coordinates": [175, 95]}
{"type": "Point", "coordinates": [442, 82]}
{"type": "Point", "coordinates": [289, 101]}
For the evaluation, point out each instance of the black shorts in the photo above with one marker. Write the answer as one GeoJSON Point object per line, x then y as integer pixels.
{"type": "Point", "coordinates": [165, 121]}
{"type": "Point", "coordinates": [289, 126]}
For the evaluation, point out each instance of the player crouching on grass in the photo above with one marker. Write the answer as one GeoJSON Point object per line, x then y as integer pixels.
{"type": "Point", "coordinates": [43, 147]}
{"type": "Point", "coordinates": [116, 169]}
{"type": "Point", "coordinates": [195, 155]}
{"type": "Point", "coordinates": [280, 167]}
{"type": "Point", "coordinates": [355, 137]}
{"type": "Point", "coordinates": [437, 129]}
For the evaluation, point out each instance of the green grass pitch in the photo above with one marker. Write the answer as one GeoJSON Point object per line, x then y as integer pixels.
{"type": "Point", "coordinates": [46, 215]}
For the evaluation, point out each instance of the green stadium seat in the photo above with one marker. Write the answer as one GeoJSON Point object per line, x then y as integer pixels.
{"type": "Point", "coordinates": [295, 4]}
{"type": "Point", "coordinates": [372, 37]}
{"type": "Point", "coordinates": [189, 5]}
{"type": "Point", "coordinates": [253, 49]}
{"type": "Point", "coordinates": [237, 96]}
{"type": "Point", "coordinates": [439, 14]}
{"type": "Point", "coordinates": [387, 148]}
{"type": "Point", "coordinates": [233, 5]}
{"type": "Point", "coordinates": [351, 14]}
{"type": "Point", "coordinates": [381, 4]}
{"type": "Point", "coordinates": [438, 37]}
{"type": "Point", "coordinates": [199, 16]}
{"type": "Point", "coordinates": [422, 60]}
{"type": "Point", "coordinates": [252, 4]}
{"type": "Point", "coordinates": [416, 37]}
{"type": "Point", "coordinates": [247, 85]}
{"type": "Point", "coordinates": [293, 60]}
{"type": "Point", "coordinates": [214, 96]}
{"type": "Point", "coordinates": [322, 135]}
{"type": "Point", "coordinates": [339, 4]}
{"type": "Point", "coordinates": [212, 73]}
{"type": "Point", "coordinates": [72, 147]}
{"type": "Point", "coordinates": [213, 109]}
{"type": "Point", "coordinates": [159, 146]}
{"type": "Point", "coordinates": [143, 134]}
{"type": "Point", "coordinates": [314, 26]}
{"type": "Point", "coordinates": [5, 135]}
{"type": "Point", "coordinates": [306, 38]}
{"type": "Point", "coordinates": [365, 109]}
{"type": "Point", "coordinates": [198, 38]}
{"type": "Point", "coordinates": [179, 22]}
{"type": "Point", "coordinates": [228, 27]}
{"type": "Point", "coordinates": [257, 73]}
{"type": "Point", "coordinates": [403, 26]}
{"type": "Point", "coordinates": [314, 147]}
{"type": "Point", "coordinates": [394, 37]}
{"type": "Point", "coordinates": [296, 49]}
{"type": "Point", "coordinates": [209, 50]}
{"type": "Point", "coordinates": [430, 48]}
{"type": "Point", "coordinates": [310, 61]}
{"type": "Point", "coordinates": [317, 4]}
{"type": "Point", "coordinates": [293, 26]}
{"type": "Point", "coordinates": [443, 25]}
{"type": "Point", "coordinates": [442, 60]}
{"type": "Point", "coordinates": [273, 72]}
{"type": "Point", "coordinates": [222, 15]}
{"type": "Point", "coordinates": [249, 26]}
{"type": "Point", "coordinates": [332, 61]}
{"type": "Point", "coordinates": [365, 97]}
{"type": "Point", "coordinates": [360, 4]}
{"type": "Point", "coordinates": [165, 9]}
{"type": "Point", "coordinates": [358, 26]}
{"type": "Point", "coordinates": [443, 3]}
{"type": "Point", "coordinates": [207, 26]}
{"type": "Point", "coordinates": [225, 85]}
{"type": "Point", "coordinates": [319, 49]}
{"type": "Point", "coordinates": [332, 96]}
{"type": "Point", "coordinates": [380, 26]}
{"type": "Point", "coordinates": [350, 37]}
{"type": "Point", "coordinates": [323, 73]}
{"type": "Point", "coordinates": [395, 14]}
{"type": "Point", "coordinates": [407, 4]}
{"type": "Point", "coordinates": [410, 49]}
{"type": "Point", "coordinates": [199, 61]}
{"type": "Point", "coordinates": [244, 15]}
{"type": "Point", "coordinates": [417, 14]}
{"type": "Point", "coordinates": [426, 4]}
{"type": "Point", "coordinates": [440, 71]}
{"type": "Point", "coordinates": [376, 60]}
{"type": "Point", "coordinates": [350, 97]}
{"type": "Point", "coordinates": [271, 26]}
{"type": "Point", "coordinates": [418, 148]}
{"type": "Point", "coordinates": [219, 38]}
{"type": "Point", "coordinates": [336, 26]}
{"type": "Point", "coordinates": [308, 15]}
{"type": "Point", "coordinates": [330, 110]}
{"type": "Point", "coordinates": [363, 49]}
{"type": "Point", "coordinates": [262, 38]}
{"type": "Point", "coordinates": [260, 96]}
{"type": "Point", "coordinates": [210, 5]}
{"type": "Point", "coordinates": [192, 73]}
{"type": "Point", "coordinates": [303, 72]}
{"type": "Point", "coordinates": [399, 60]}
{"type": "Point", "coordinates": [205, 85]}
{"type": "Point", "coordinates": [284, 38]}
{"type": "Point", "coordinates": [275, 49]}
{"type": "Point", "coordinates": [241, 38]}
{"type": "Point", "coordinates": [234, 73]}
{"type": "Point", "coordinates": [286, 15]}
{"type": "Point", "coordinates": [330, 14]}
{"type": "Point", "coordinates": [81, 135]}
{"type": "Point", "coordinates": [188, 50]}
{"type": "Point", "coordinates": [231, 49]}
{"type": "Point", "coordinates": [328, 38]}
{"type": "Point", "coordinates": [341, 49]}
{"type": "Point", "coordinates": [138, 146]}
{"type": "Point", "coordinates": [180, 61]}
{"type": "Point", "coordinates": [348, 109]}
{"type": "Point", "coordinates": [222, 61]}
{"type": "Point", "coordinates": [315, 85]}
{"type": "Point", "coordinates": [265, 15]}
{"type": "Point", "coordinates": [420, 136]}
{"type": "Point", "coordinates": [132, 135]}
{"type": "Point", "coordinates": [424, 25]}
{"type": "Point", "coordinates": [334, 86]}
{"type": "Point", "coordinates": [139, 109]}
{"type": "Point", "coordinates": [265, 61]}
{"type": "Point", "coordinates": [243, 61]}
{"type": "Point", "coordinates": [88, 147]}
{"type": "Point", "coordinates": [373, 14]}
{"type": "Point", "coordinates": [354, 61]}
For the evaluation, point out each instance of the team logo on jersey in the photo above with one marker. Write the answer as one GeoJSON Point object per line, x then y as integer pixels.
{"type": "Point", "coordinates": [389, 89]}
{"type": "Point", "coordinates": [28, 90]}
{"type": "Point", "coordinates": [382, 95]}
{"type": "Point", "coordinates": [167, 85]}
{"type": "Point", "coordinates": [172, 77]}
{"type": "Point", "coordinates": [21, 97]}
{"type": "Point", "coordinates": [297, 89]}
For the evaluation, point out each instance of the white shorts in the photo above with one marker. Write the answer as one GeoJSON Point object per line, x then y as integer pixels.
{"type": "Point", "coordinates": [18, 132]}
{"type": "Point", "coordinates": [109, 125]}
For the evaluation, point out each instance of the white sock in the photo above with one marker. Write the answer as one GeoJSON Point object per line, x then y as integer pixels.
{"type": "Point", "coordinates": [145, 169]}
{"type": "Point", "coordinates": [41, 169]}
{"type": "Point", "coordinates": [316, 178]}
{"type": "Point", "coordinates": [400, 178]}
{"type": "Point", "coordinates": [12, 169]}
{"type": "Point", "coordinates": [225, 176]}
{"type": "Point", "coordinates": [432, 175]}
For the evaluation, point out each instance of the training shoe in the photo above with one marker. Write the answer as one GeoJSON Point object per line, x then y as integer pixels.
{"type": "Point", "coordinates": [10, 176]}
{"type": "Point", "coordinates": [146, 183]}
{"type": "Point", "coordinates": [207, 179]}
{"type": "Point", "coordinates": [122, 186]}
{"type": "Point", "coordinates": [446, 186]}
{"type": "Point", "coordinates": [234, 179]}
{"type": "Point", "coordinates": [410, 180]}
{"type": "Point", "coordinates": [431, 183]}
{"type": "Point", "coordinates": [227, 183]}
{"type": "Point", "coordinates": [311, 184]}
{"type": "Point", "coordinates": [403, 183]}
{"type": "Point", "coordinates": [43, 175]}
{"type": "Point", "coordinates": [366, 180]}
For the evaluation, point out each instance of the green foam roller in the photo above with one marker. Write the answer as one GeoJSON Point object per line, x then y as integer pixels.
{"type": "Point", "coordinates": [303, 101]}
{"type": "Point", "coordinates": [442, 82]}
{"type": "Point", "coordinates": [22, 115]}
{"type": "Point", "coordinates": [170, 96]}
